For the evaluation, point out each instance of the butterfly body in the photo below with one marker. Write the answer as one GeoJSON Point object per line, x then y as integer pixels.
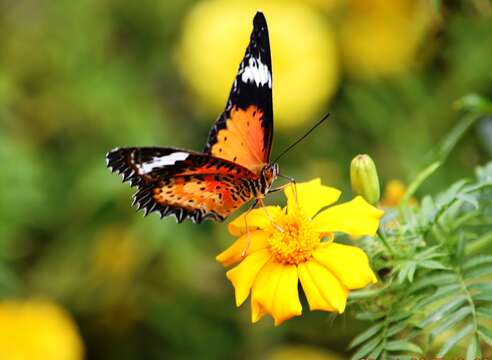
{"type": "Point", "coordinates": [234, 167]}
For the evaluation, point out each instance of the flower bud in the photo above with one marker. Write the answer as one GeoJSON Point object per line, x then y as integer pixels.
{"type": "Point", "coordinates": [364, 178]}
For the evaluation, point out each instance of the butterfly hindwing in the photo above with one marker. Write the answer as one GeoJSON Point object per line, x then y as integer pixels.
{"type": "Point", "coordinates": [182, 183]}
{"type": "Point", "coordinates": [243, 132]}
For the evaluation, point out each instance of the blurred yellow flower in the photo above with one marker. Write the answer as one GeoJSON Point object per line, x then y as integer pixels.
{"type": "Point", "coordinates": [37, 329]}
{"type": "Point", "coordinates": [393, 193]}
{"type": "Point", "coordinates": [286, 245]}
{"type": "Point", "coordinates": [380, 38]}
{"type": "Point", "coordinates": [304, 55]}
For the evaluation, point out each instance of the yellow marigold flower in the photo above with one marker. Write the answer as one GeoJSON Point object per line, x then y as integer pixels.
{"type": "Point", "coordinates": [287, 245]}
{"type": "Point", "coordinates": [37, 329]}
{"type": "Point", "coordinates": [380, 38]}
{"type": "Point", "coordinates": [304, 55]}
{"type": "Point", "coordinates": [393, 193]}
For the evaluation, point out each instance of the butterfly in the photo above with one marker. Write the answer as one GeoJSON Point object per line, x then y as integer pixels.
{"type": "Point", "coordinates": [234, 166]}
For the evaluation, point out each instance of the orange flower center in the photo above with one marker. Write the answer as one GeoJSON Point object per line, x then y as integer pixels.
{"type": "Point", "coordinates": [292, 239]}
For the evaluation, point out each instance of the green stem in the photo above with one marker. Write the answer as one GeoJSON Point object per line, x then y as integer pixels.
{"type": "Point", "coordinates": [479, 244]}
{"type": "Point", "coordinates": [385, 331]}
{"type": "Point", "coordinates": [469, 299]}
{"type": "Point", "coordinates": [385, 242]}
{"type": "Point", "coordinates": [415, 184]}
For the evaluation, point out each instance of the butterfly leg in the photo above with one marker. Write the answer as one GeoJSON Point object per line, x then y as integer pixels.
{"type": "Point", "coordinates": [291, 181]}
{"type": "Point", "coordinates": [281, 187]}
{"type": "Point", "coordinates": [277, 226]}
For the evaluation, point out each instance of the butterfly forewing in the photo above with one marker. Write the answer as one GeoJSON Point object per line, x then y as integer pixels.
{"type": "Point", "coordinates": [182, 183]}
{"type": "Point", "coordinates": [243, 132]}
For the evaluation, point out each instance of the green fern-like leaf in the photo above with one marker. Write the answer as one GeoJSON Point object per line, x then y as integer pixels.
{"type": "Point", "coordinates": [439, 278]}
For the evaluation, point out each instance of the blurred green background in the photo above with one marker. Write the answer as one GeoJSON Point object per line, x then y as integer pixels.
{"type": "Point", "coordinates": [78, 78]}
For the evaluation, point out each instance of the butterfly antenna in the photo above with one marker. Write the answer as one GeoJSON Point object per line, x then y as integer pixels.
{"type": "Point", "coordinates": [302, 137]}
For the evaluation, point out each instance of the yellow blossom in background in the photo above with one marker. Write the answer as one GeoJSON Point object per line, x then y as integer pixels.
{"type": "Point", "coordinates": [304, 56]}
{"type": "Point", "coordinates": [380, 38]}
{"type": "Point", "coordinates": [287, 246]}
{"type": "Point", "coordinates": [37, 330]}
{"type": "Point", "coordinates": [393, 193]}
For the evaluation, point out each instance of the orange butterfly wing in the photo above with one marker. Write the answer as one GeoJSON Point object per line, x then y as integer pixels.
{"type": "Point", "coordinates": [243, 132]}
{"type": "Point", "coordinates": [241, 140]}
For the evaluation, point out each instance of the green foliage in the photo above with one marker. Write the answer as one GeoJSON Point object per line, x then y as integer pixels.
{"type": "Point", "coordinates": [435, 293]}
{"type": "Point", "coordinates": [435, 283]}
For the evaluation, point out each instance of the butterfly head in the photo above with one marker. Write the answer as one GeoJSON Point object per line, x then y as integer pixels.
{"type": "Point", "coordinates": [268, 174]}
{"type": "Point", "coordinates": [274, 170]}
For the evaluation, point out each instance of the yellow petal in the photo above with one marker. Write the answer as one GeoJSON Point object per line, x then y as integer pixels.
{"type": "Point", "coordinates": [257, 311]}
{"type": "Point", "coordinates": [234, 253]}
{"type": "Point", "coordinates": [256, 219]}
{"type": "Point", "coordinates": [356, 217]}
{"type": "Point", "coordinates": [323, 290]}
{"type": "Point", "coordinates": [311, 196]}
{"type": "Point", "coordinates": [348, 263]}
{"type": "Point", "coordinates": [275, 291]}
{"type": "Point", "coordinates": [243, 275]}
